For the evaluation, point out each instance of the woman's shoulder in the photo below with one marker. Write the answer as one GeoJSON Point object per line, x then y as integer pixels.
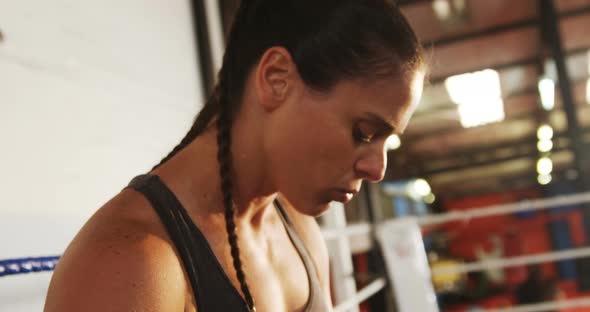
{"type": "Point", "coordinates": [121, 259]}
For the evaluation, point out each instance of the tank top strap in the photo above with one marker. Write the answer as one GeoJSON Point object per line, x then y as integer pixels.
{"type": "Point", "coordinates": [212, 288]}
{"type": "Point", "coordinates": [316, 302]}
{"type": "Point", "coordinates": [168, 209]}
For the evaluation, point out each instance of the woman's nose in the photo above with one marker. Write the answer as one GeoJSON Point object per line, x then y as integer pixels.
{"type": "Point", "coordinates": [371, 166]}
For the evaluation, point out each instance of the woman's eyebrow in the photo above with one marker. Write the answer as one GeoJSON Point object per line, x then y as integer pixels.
{"type": "Point", "coordinates": [380, 122]}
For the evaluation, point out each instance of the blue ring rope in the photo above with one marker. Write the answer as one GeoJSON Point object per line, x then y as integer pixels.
{"type": "Point", "coordinates": [27, 265]}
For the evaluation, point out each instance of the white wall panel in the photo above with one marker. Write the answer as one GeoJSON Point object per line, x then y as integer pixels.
{"type": "Point", "coordinates": [91, 94]}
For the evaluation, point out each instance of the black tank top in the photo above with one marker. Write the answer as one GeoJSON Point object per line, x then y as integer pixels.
{"type": "Point", "coordinates": [212, 288]}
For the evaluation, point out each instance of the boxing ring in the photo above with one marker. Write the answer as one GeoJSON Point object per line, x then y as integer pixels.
{"type": "Point", "coordinates": [355, 235]}
{"type": "Point", "coordinates": [347, 237]}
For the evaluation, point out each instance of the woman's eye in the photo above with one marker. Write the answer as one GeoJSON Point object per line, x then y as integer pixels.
{"type": "Point", "coordinates": [362, 136]}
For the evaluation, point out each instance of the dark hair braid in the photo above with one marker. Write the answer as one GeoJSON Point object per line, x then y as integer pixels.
{"type": "Point", "coordinates": [228, 106]}
{"type": "Point", "coordinates": [218, 104]}
{"type": "Point", "coordinates": [224, 157]}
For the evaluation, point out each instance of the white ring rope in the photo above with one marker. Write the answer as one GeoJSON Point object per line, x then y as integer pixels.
{"type": "Point", "coordinates": [527, 205]}
{"type": "Point", "coordinates": [368, 291]}
{"type": "Point", "coordinates": [513, 261]}
{"type": "Point", "coordinates": [364, 228]}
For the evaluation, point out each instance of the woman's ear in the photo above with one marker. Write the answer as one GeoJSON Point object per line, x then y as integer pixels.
{"type": "Point", "coordinates": [274, 77]}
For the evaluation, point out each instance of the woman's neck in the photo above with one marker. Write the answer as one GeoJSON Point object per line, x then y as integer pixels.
{"type": "Point", "coordinates": [193, 175]}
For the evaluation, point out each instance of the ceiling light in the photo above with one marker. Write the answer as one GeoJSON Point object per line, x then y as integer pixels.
{"type": "Point", "coordinates": [472, 115]}
{"type": "Point", "coordinates": [545, 132]}
{"type": "Point", "coordinates": [429, 199]}
{"type": "Point", "coordinates": [421, 187]}
{"type": "Point", "coordinates": [479, 97]}
{"type": "Point", "coordinates": [547, 92]}
{"type": "Point", "coordinates": [544, 166]}
{"type": "Point", "coordinates": [545, 146]}
{"type": "Point", "coordinates": [544, 179]}
{"type": "Point", "coordinates": [393, 142]}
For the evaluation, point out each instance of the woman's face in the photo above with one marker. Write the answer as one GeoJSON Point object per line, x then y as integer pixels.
{"type": "Point", "coordinates": [323, 144]}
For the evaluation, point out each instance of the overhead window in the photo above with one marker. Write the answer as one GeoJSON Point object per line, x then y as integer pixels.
{"type": "Point", "coordinates": [478, 96]}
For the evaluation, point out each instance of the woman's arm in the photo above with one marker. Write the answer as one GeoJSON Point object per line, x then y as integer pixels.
{"type": "Point", "coordinates": [117, 267]}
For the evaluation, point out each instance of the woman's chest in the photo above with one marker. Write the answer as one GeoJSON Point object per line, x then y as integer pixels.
{"type": "Point", "coordinates": [275, 272]}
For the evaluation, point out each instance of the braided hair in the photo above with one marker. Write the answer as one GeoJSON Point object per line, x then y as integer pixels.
{"type": "Point", "coordinates": [329, 41]}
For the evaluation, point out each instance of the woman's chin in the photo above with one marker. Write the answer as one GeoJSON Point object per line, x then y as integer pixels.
{"type": "Point", "coordinates": [308, 207]}
{"type": "Point", "coordinates": [319, 209]}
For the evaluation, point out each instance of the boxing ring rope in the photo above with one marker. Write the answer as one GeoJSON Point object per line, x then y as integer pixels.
{"type": "Point", "coordinates": [365, 229]}
{"type": "Point", "coordinates": [365, 293]}
{"type": "Point", "coordinates": [514, 261]}
{"type": "Point", "coordinates": [27, 265]}
{"type": "Point", "coordinates": [523, 206]}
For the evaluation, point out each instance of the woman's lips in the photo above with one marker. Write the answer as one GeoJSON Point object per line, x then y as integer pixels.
{"type": "Point", "coordinates": [343, 196]}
